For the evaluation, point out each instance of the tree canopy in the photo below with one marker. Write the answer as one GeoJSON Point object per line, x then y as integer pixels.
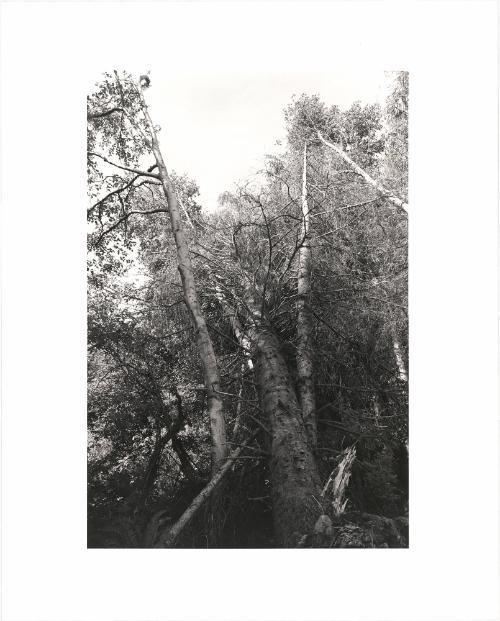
{"type": "Point", "coordinates": [247, 368]}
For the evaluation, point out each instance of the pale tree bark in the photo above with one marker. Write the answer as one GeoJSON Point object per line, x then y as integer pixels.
{"type": "Point", "coordinates": [244, 343]}
{"type": "Point", "coordinates": [239, 333]}
{"type": "Point", "coordinates": [168, 539]}
{"type": "Point", "coordinates": [186, 213]}
{"type": "Point", "coordinates": [398, 355]}
{"type": "Point", "coordinates": [304, 319]}
{"type": "Point", "coordinates": [376, 408]}
{"type": "Point", "coordinates": [400, 365]}
{"type": "Point", "coordinates": [402, 372]}
{"type": "Point", "coordinates": [203, 340]}
{"type": "Point", "coordinates": [339, 480]}
{"type": "Point", "coordinates": [397, 202]}
{"type": "Point", "coordinates": [237, 418]}
{"type": "Point", "coordinates": [295, 483]}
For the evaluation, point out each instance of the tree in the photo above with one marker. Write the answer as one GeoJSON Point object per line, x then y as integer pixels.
{"type": "Point", "coordinates": [132, 102]}
{"type": "Point", "coordinates": [303, 270]}
{"type": "Point", "coordinates": [205, 347]}
{"type": "Point", "coordinates": [304, 318]}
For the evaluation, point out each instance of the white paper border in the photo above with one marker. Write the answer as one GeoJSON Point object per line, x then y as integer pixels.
{"type": "Point", "coordinates": [48, 50]}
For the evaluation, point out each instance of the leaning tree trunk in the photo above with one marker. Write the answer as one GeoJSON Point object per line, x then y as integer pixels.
{"type": "Point", "coordinates": [397, 202]}
{"type": "Point", "coordinates": [398, 355]}
{"type": "Point", "coordinates": [304, 320]}
{"type": "Point", "coordinates": [295, 484]}
{"type": "Point", "coordinates": [204, 342]}
{"type": "Point", "coordinates": [170, 535]}
{"type": "Point", "coordinates": [244, 344]}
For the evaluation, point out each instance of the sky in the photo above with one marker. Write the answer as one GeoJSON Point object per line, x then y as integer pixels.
{"type": "Point", "coordinates": [217, 127]}
{"type": "Point", "coordinates": [222, 72]}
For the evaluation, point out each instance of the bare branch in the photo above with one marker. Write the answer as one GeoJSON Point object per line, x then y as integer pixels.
{"type": "Point", "coordinates": [119, 191]}
{"type": "Point", "coordinates": [125, 217]}
{"type": "Point", "coordinates": [140, 173]}
{"type": "Point", "coordinates": [100, 115]}
{"type": "Point", "coordinates": [168, 538]}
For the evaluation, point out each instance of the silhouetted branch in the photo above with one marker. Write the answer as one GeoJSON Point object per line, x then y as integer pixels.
{"type": "Point", "coordinates": [142, 173]}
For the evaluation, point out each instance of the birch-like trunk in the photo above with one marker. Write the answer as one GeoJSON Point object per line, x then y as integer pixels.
{"type": "Point", "coordinates": [398, 355]}
{"type": "Point", "coordinates": [401, 367]}
{"type": "Point", "coordinates": [295, 484]}
{"type": "Point", "coordinates": [203, 340]}
{"type": "Point", "coordinates": [304, 320]}
{"type": "Point", "coordinates": [397, 202]}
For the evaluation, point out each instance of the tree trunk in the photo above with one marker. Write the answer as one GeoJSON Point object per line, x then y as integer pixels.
{"type": "Point", "coordinates": [204, 342]}
{"type": "Point", "coordinates": [304, 320]}
{"type": "Point", "coordinates": [243, 342]}
{"type": "Point", "coordinates": [238, 331]}
{"type": "Point", "coordinates": [168, 539]}
{"type": "Point", "coordinates": [144, 487]}
{"type": "Point", "coordinates": [237, 418]}
{"type": "Point", "coordinates": [152, 469]}
{"type": "Point", "coordinates": [375, 184]}
{"type": "Point", "coordinates": [398, 355]}
{"type": "Point", "coordinates": [186, 464]}
{"type": "Point", "coordinates": [295, 484]}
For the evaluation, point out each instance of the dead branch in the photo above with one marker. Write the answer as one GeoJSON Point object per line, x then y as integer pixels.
{"type": "Point", "coordinates": [168, 538]}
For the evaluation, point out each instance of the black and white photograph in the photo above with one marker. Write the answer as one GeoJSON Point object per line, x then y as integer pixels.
{"type": "Point", "coordinates": [248, 345]}
{"type": "Point", "coordinates": [249, 310]}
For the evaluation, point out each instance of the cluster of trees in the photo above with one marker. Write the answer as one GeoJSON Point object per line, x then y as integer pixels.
{"type": "Point", "coordinates": [247, 369]}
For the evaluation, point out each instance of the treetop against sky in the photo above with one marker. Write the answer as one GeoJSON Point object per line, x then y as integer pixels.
{"type": "Point", "coordinates": [217, 127]}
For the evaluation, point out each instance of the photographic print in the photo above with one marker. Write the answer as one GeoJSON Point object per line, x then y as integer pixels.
{"type": "Point", "coordinates": [249, 311]}
{"type": "Point", "coordinates": [248, 344]}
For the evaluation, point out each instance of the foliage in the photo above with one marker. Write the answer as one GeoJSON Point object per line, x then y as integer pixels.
{"type": "Point", "coordinates": [145, 379]}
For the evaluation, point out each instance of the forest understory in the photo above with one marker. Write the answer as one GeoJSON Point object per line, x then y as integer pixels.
{"type": "Point", "coordinates": [248, 367]}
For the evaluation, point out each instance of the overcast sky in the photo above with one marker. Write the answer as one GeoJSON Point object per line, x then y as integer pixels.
{"type": "Point", "coordinates": [222, 72]}
{"type": "Point", "coordinates": [217, 127]}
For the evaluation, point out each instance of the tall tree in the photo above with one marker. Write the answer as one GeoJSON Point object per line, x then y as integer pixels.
{"type": "Point", "coordinates": [129, 140]}
{"type": "Point", "coordinates": [204, 341]}
{"type": "Point", "coordinates": [267, 309]}
{"type": "Point", "coordinates": [304, 317]}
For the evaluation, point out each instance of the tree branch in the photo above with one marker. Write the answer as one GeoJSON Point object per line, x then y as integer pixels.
{"type": "Point", "coordinates": [125, 217]}
{"type": "Point", "coordinates": [99, 115]}
{"type": "Point", "coordinates": [118, 191]}
{"type": "Point", "coordinates": [380, 188]}
{"type": "Point", "coordinates": [167, 539]}
{"type": "Point", "coordinates": [140, 173]}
